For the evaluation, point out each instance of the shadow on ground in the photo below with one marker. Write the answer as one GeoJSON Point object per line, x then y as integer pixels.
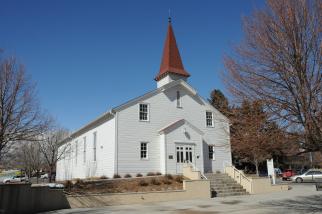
{"type": "Point", "coordinates": [308, 204]}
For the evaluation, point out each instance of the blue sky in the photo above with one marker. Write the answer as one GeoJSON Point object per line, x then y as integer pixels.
{"type": "Point", "coordinates": [89, 56]}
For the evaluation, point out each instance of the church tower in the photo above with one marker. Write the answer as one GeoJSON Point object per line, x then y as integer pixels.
{"type": "Point", "coordinates": [171, 67]}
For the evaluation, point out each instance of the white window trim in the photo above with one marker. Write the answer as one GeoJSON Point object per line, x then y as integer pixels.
{"type": "Point", "coordinates": [212, 118]}
{"type": "Point", "coordinates": [178, 99]}
{"type": "Point", "coordinates": [84, 149]}
{"type": "Point", "coordinates": [213, 152]}
{"type": "Point", "coordinates": [95, 146]}
{"type": "Point", "coordinates": [76, 151]}
{"type": "Point", "coordinates": [147, 150]}
{"type": "Point", "coordinates": [148, 117]}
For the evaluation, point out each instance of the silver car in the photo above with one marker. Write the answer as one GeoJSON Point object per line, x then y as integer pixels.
{"type": "Point", "coordinates": [309, 176]}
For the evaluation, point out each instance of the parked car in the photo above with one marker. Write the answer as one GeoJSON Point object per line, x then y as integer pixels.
{"type": "Point", "coordinates": [309, 176]}
{"type": "Point", "coordinates": [15, 179]}
{"type": "Point", "coordinates": [44, 176]}
{"type": "Point", "coordinates": [278, 172]}
{"type": "Point", "coordinates": [287, 174]}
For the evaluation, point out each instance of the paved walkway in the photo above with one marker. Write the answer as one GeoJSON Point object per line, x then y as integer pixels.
{"type": "Point", "coordinates": [302, 198]}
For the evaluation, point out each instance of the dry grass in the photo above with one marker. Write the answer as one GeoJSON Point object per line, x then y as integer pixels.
{"type": "Point", "coordinates": [145, 184]}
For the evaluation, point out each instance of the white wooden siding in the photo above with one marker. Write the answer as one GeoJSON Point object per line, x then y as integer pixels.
{"type": "Point", "coordinates": [105, 154]}
{"type": "Point", "coordinates": [163, 111]}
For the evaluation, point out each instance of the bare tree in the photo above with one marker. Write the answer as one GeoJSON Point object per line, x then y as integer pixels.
{"type": "Point", "coordinates": [30, 159]}
{"type": "Point", "coordinates": [52, 149]}
{"type": "Point", "coordinates": [20, 118]}
{"type": "Point", "coordinates": [280, 62]}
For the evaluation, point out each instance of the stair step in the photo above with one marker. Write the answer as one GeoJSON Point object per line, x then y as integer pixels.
{"type": "Point", "coordinates": [231, 194]}
{"type": "Point", "coordinates": [223, 185]}
{"type": "Point", "coordinates": [228, 188]}
{"type": "Point", "coordinates": [229, 191]}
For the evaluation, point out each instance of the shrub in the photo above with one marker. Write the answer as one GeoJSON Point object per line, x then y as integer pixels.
{"type": "Point", "coordinates": [167, 181]}
{"type": "Point", "coordinates": [218, 172]}
{"type": "Point", "coordinates": [139, 175]}
{"type": "Point", "coordinates": [68, 185]}
{"type": "Point", "coordinates": [79, 182]}
{"type": "Point", "coordinates": [155, 181]}
{"type": "Point", "coordinates": [169, 176]}
{"type": "Point", "coordinates": [103, 177]}
{"type": "Point", "coordinates": [179, 179]}
{"type": "Point", "coordinates": [127, 176]}
{"type": "Point", "coordinates": [158, 173]}
{"type": "Point", "coordinates": [150, 174]}
{"type": "Point", "coordinates": [143, 183]}
{"type": "Point", "coordinates": [116, 176]}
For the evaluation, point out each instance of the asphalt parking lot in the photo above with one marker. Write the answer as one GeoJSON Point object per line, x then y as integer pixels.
{"type": "Point", "coordinates": [301, 198]}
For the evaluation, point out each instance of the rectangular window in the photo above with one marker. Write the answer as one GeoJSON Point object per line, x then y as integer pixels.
{"type": "Point", "coordinates": [84, 149]}
{"type": "Point", "coordinates": [76, 151]}
{"type": "Point", "coordinates": [144, 112]}
{"type": "Point", "coordinates": [94, 145]}
{"type": "Point", "coordinates": [209, 119]}
{"type": "Point", "coordinates": [144, 151]}
{"type": "Point", "coordinates": [178, 99]}
{"type": "Point", "coordinates": [211, 152]}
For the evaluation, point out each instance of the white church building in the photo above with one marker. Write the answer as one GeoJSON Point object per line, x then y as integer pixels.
{"type": "Point", "coordinates": [159, 131]}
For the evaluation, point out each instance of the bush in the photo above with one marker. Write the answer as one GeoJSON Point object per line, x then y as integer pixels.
{"type": "Point", "coordinates": [179, 179]}
{"type": "Point", "coordinates": [68, 185]}
{"type": "Point", "coordinates": [79, 182]}
{"type": "Point", "coordinates": [116, 176]}
{"type": "Point", "coordinates": [218, 172]}
{"type": "Point", "coordinates": [127, 176]}
{"type": "Point", "coordinates": [150, 174]}
{"type": "Point", "coordinates": [169, 176]}
{"type": "Point", "coordinates": [143, 183]}
{"type": "Point", "coordinates": [158, 173]}
{"type": "Point", "coordinates": [155, 181]}
{"type": "Point", "coordinates": [139, 175]}
{"type": "Point", "coordinates": [167, 181]}
{"type": "Point", "coordinates": [103, 177]}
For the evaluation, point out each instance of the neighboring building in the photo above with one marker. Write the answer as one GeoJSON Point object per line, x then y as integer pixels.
{"type": "Point", "coordinates": [156, 132]}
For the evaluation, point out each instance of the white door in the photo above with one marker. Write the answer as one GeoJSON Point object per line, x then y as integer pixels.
{"type": "Point", "coordinates": [184, 154]}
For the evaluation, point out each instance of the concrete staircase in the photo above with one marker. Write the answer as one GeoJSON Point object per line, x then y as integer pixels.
{"type": "Point", "coordinates": [222, 185]}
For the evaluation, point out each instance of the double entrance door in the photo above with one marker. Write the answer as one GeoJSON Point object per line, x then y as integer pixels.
{"type": "Point", "coordinates": [184, 154]}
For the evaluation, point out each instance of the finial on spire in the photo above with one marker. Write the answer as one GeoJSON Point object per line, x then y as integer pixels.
{"type": "Point", "coordinates": [169, 17]}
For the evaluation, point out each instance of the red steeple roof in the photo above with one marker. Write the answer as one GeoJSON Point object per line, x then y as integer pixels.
{"type": "Point", "coordinates": [171, 60]}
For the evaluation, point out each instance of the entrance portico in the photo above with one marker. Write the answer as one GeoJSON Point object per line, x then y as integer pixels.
{"type": "Point", "coordinates": [180, 143]}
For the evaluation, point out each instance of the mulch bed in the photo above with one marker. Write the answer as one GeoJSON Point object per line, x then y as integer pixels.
{"type": "Point", "coordinates": [124, 185]}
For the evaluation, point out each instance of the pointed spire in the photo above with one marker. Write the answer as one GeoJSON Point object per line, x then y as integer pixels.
{"type": "Point", "coordinates": [171, 60]}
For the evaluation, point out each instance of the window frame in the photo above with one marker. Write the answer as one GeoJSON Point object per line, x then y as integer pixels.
{"type": "Point", "coordinates": [94, 146]}
{"type": "Point", "coordinates": [211, 152]}
{"type": "Point", "coordinates": [148, 112]}
{"type": "Point", "coordinates": [146, 150]}
{"type": "Point", "coordinates": [76, 151]}
{"type": "Point", "coordinates": [212, 119]}
{"type": "Point", "coordinates": [178, 99]}
{"type": "Point", "coordinates": [84, 149]}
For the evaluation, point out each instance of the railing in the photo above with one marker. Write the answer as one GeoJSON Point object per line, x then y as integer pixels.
{"type": "Point", "coordinates": [203, 176]}
{"type": "Point", "coordinates": [240, 178]}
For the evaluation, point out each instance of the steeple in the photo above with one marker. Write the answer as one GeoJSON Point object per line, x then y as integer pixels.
{"type": "Point", "coordinates": [171, 66]}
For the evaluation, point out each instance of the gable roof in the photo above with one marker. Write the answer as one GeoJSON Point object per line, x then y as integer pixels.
{"type": "Point", "coordinates": [171, 60]}
{"type": "Point", "coordinates": [180, 122]}
{"type": "Point", "coordinates": [110, 114]}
